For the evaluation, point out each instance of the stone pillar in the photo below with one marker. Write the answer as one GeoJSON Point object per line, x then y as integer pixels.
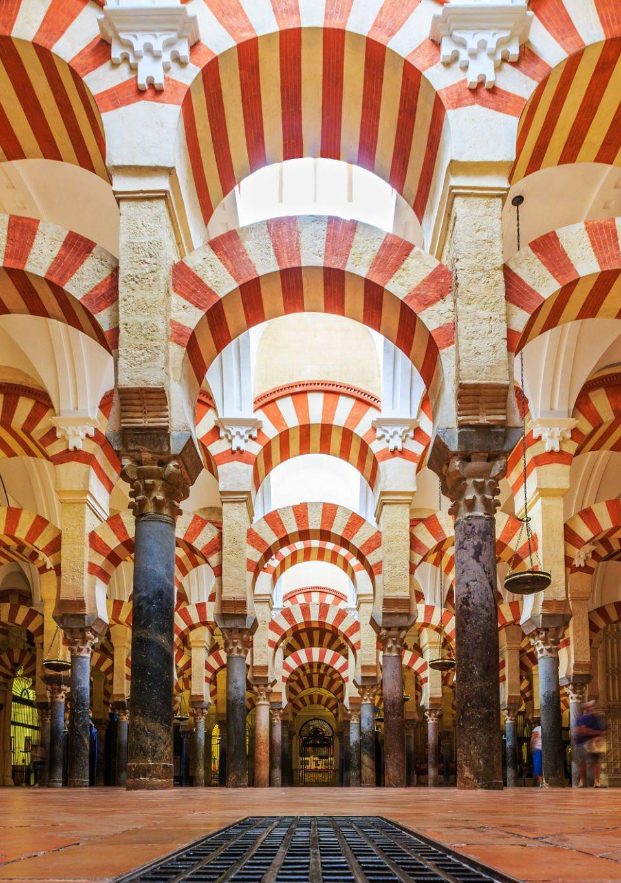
{"type": "Point", "coordinates": [186, 735]}
{"type": "Point", "coordinates": [410, 753]}
{"type": "Point", "coordinates": [199, 713]}
{"type": "Point", "coordinates": [511, 747]}
{"type": "Point", "coordinates": [546, 643]}
{"type": "Point", "coordinates": [80, 641]}
{"type": "Point", "coordinates": [276, 748]}
{"type": "Point", "coordinates": [287, 773]}
{"type": "Point", "coordinates": [236, 646]}
{"type": "Point", "coordinates": [433, 716]}
{"type": "Point", "coordinates": [392, 641]}
{"type": "Point", "coordinates": [222, 764]}
{"type": "Point", "coordinates": [261, 736]}
{"type": "Point", "coordinates": [471, 482]}
{"type": "Point", "coordinates": [6, 759]}
{"type": "Point", "coordinates": [576, 692]}
{"type": "Point", "coordinates": [122, 740]}
{"type": "Point", "coordinates": [354, 748]}
{"type": "Point", "coordinates": [45, 717]}
{"type": "Point", "coordinates": [156, 491]}
{"type": "Point", "coordinates": [102, 729]}
{"type": "Point", "coordinates": [367, 736]}
{"type": "Point", "coordinates": [58, 694]}
{"type": "Point", "coordinates": [346, 753]}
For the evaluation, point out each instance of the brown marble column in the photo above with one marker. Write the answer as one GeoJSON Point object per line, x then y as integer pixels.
{"type": "Point", "coordinates": [286, 753]}
{"type": "Point", "coordinates": [354, 748]}
{"type": "Point", "coordinates": [156, 489]}
{"type": "Point", "coordinates": [81, 641]}
{"type": "Point", "coordinates": [576, 693]}
{"type": "Point", "coordinates": [102, 729]}
{"type": "Point", "coordinates": [511, 747]}
{"type": "Point", "coordinates": [122, 740]}
{"type": "Point", "coordinates": [410, 752]}
{"type": "Point", "coordinates": [261, 736]}
{"type": "Point", "coordinates": [45, 717]}
{"type": "Point", "coordinates": [57, 694]}
{"type": "Point", "coordinates": [6, 759]}
{"type": "Point", "coordinates": [392, 643]}
{"type": "Point", "coordinates": [199, 713]}
{"type": "Point", "coordinates": [433, 716]}
{"type": "Point", "coordinates": [545, 642]}
{"type": "Point", "coordinates": [276, 747]}
{"type": "Point", "coordinates": [471, 482]}
{"type": "Point", "coordinates": [367, 735]}
{"type": "Point", "coordinates": [237, 643]}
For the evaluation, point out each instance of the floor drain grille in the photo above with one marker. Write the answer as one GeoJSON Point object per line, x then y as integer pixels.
{"type": "Point", "coordinates": [318, 849]}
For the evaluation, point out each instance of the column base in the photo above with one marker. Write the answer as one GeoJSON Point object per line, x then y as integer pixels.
{"type": "Point", "coordinates": [480, 786]}
{"type": "Point", "coordinates": [149, 776]}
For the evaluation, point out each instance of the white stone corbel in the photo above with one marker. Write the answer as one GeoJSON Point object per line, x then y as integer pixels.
{"type": "Point", "coordinates": [238, 430]}
{"type": "Point", "coordinates": [395, 431]}
{"type": "Point", "coordinates": [480, 35]}
{"type": "Point", "coordinates": [74, 428]}
{"type": "Point", "coordinates": [553, 430]}
{"type": "Point", "coordinates": [583, 555]}
{"type": "Point", "coordinates": [149, 35]}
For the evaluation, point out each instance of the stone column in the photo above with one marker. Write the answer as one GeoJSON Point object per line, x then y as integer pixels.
{"type": "Point", "coordinates": [6, 759]}
{"type": "Point", "coordinates": [186, 735]}
{"type": "Point", "coordinates": [471, 482]}
{"type": "Point", "coordinates": [58, 694]}
{"type": "Point", "coordinates": [276, 748]}
{"type": "Point", "coordinates": [222, 764]}
{"type": "Point", "coordinates": [261, 736]}
{"type": "Point", "coordinates": [80, 643]}
{"type": "Point", "coordinates": [576, 692]}
{"type": "Point", "coordinates": [433, 716]}
{"type": "Point", "coordinates": [122, 740]}
{"type": "Point", "coordinates": [511, 747]}
{"type": "Point", "coordinates": [236, 646]}
{"type": "Point", "coordinates": [287, 778]}
{"type": "Point", "coordinates": [392, 641]}
{"type": "Point", "coordinates": [410, 752]}
{"type": "Point", "coordinates": [45, 717]}
{"type": "Point", "coordinates": [102, 729]}
{"type": "Point", "coordinates": [546, 643]}
{"type": "Point", "coordinates": [346, 749]}
{"type": "Point", "coordinates": [199, 713]}
{"type": "Point", "coordinates": [354, 748]}
{"type": "Point", "coordinates": [156, 491]}
{"type": "Point", "coordinates": [367, 736]}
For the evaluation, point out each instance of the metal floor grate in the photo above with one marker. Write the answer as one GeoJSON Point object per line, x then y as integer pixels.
{"type": "Point", "coordinates": [318, 849]}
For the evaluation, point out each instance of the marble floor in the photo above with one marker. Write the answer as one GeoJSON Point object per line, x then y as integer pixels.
{"type": "Point", "coordinates": [98, 834]}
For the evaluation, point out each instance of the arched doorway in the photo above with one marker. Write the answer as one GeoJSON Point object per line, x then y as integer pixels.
{"type": "Point", "coordinates": [316, 753]}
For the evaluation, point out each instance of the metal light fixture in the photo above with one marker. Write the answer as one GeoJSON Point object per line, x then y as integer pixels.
{"type": "Point", "coordinates": [55, 663]}
{"type": "Point", "coordinates": [533, 579]}
{"type": "Point", "coordinates": [442, 663]}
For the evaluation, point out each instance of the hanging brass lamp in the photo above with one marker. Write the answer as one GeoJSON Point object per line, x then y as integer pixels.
{"type": "Point", "coordinates": [53, 662]}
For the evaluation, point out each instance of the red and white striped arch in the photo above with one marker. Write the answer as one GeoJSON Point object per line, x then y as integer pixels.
{"type": "Point", "coordinates": [31, 536]}
{"type": "Point", "coordinates": [314, 595]}
{"type": "Point", "coordinates": [13, 658]}
{"type": "Point", "coordinates": [191, 616]}
{"type": "Point", "coordinates": [316, 697]}
{"type": "Point", "coordinates": [414, 660]}
{"type": "Point", "coordinates": [214, 662]}
{"type": "Point", "coordinates": [325, 522]}
{"type": "Point", "coordinates": [595, 524]}
{"type": "Point", "coordinates": [313, 550]}
{"type": "Point", "coordinates": [598, 412]}
{"type": "Point", "coordinates": [55, 273]}
{"type": "Point", "coordinates": [607, 614]}
{"type": "Point", "coordinates": [328, 618]}
{"type": "Point", "coordinates": [565, 275]}
{"type": "Point", "coordinates": [292, 265]}
{"type": "Point", "coordinates": [315, 676]}
{"type": "Point", "coordinates": [22, 616]}
{"type": "Point", "coordinates": [119, 612]}
{"type": "Point", "coordinates": [315, 655]}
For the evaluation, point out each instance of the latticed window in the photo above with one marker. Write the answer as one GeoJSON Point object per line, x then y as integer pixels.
{"type": "Point", "coordinates": [24, 724]}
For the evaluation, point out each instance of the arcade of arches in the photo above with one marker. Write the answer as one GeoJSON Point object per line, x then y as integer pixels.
{"type": "Point", "coordinates": [273, 325]}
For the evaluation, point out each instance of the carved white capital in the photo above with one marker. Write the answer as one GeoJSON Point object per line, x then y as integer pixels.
{"type": "Point", "coordinates": [552, 431]}
{"type": "Point", "coordinates": [238, 430]}
{"type": "Point", "coordinates": [74, 428]}
{"type": "Point", "coordinates": [149, 35]}
{"type": "Point", "coordinates": [480, 35]}
{"type": "Point", "coordinates": [583, 555]}
{"type": "Point", "coordinates": [395, 431]}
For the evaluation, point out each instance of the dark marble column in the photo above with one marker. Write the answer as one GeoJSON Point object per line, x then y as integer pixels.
{"type": "Point", "coordinates": [156, 491]}
{"type": "Point", "coordinates": [354, 748]}
{"type": "Point", "coordinates": [410, 753]}
{"type": "Point", "coordinates": [287, 772]}
{"type": "Point", "coordinates": [511, 747]}
{"type": "Point", "coordinates": [199, 713]}
{"type": "Point", "coordinates": [236, 645]}
{"type": "Point", "coordinates": [367, 736]}
{"type": "Point", "coordinates": [576, 692]}
{"type": "Point", "coordinates": [186, 736]}
{"type": "Point", "coordinates": [102, 729]}
{"type": "Point", "coordinates": [471, 482]}
{"type": "Point", "coordinates": [45, 716]}
{"type": "Point", "coordinates": [546, 644]}
{"type": "Point", "coordinates": [222, 764]}
{"type": "Point", "coordinates": [433, 716]}
{"type": "Point", "coordinates": [261, 736]}
{"type": "Point", "coordinates": [80, 642]}
{"type": "Point", "coordinates": [58, 694]}
{"type": "Point", "coordinates": [391, 641]}
{"type": "Point", "coordinates": [346, 752]}
{"type": "Point", "coordinates": [122, 740]}
{"type": "Point", "coordinates": [276, 748]}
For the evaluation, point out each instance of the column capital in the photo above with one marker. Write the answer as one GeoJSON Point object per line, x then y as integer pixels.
{"type": "Point", "coordinates": [276, 715]}
{"type": "Point", "coordinates": [199, 712]}
{"type": "Point", "coordinates": [262, 693]}
{"type": "Point", "coordinates": [577, 691]}
{"type": "Point", "coordinates": [392, 640]}
{"type": "Point", "coordinates": [354, 715]}
{"type": "Point", "coordinates": [367, 693]}
{"type": "Point", "coordinates": [433, 715]}
{"type": "Point", "coordinates": [510, 714]}
{"type": "Point", "coordinates": [45, 712]}
{"type": "Point", "coordinates": [155, 489]}
{"type": "Point", "coordinates": [57, 692]}
{"type": "Point", "coordinates": [471, 481]}
{"type": "Point", "coordinates": [81, 641]}
{"type": "Point", "coordinates": [237, 641]}
{"type": "Point", "coordinates": [546, 641]}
